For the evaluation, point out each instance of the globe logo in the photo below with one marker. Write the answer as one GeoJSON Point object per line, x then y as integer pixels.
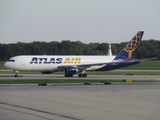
{"type": "Point", "coordinates": [133, 44]}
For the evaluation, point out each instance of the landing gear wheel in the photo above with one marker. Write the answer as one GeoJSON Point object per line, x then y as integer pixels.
{"type": "Point", "coordinates": [79, 75]}
{"type": "Point", "coordinates": [82, 75]}
{"type": "Point", "coordinates": [16, 75]}
{"type": "Point", "coordinates": [68, 75]}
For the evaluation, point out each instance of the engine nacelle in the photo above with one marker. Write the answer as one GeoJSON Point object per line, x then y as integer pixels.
{"type": "Point", "coordinates": [46, 72]}
{"type": "Point", "coordinates": [70, 71]}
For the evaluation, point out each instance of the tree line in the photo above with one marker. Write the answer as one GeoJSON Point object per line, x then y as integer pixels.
{"type": "Point", "coordinates": [148, 49]}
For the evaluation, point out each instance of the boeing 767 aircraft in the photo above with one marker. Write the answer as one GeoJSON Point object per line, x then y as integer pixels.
{"type": "Point", "coordinates": [72, 64]}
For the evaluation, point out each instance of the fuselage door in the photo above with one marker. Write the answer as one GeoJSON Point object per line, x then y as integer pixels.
{"type": "Point", "coordinates": [23, 63]}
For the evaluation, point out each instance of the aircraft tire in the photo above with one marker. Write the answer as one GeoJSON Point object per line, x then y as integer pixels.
{"type": "Point", "coordinates": [68, 75]}
{"type": "Point", "coordinates": [82, 75]}
{"type": "Point", "coordinates": [16, 75]}
{"type": "Point", "coordinates": [79, 75]}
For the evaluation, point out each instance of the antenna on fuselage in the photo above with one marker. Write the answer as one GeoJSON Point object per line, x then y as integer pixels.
{"type": "Point", "coordinates": [109, 50]}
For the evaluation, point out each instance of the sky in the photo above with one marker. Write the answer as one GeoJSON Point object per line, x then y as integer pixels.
{"type": "Point", "coordinates": [88, 21]}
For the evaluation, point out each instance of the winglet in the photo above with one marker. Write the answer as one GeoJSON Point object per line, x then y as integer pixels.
{"type": "Point", "coordinates": [131, 49]}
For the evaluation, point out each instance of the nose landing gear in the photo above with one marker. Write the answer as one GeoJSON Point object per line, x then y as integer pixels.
{"type": "Point", "coordinates": [16, 73]}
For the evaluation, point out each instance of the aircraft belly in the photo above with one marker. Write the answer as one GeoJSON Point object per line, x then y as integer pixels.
{"type": "Point", "coordinates": [42, 67]}
{"type": "Point", "coordinates": [95, 67]}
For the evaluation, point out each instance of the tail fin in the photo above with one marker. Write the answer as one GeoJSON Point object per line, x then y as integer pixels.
{"type": "Point", "coordinates": [131, 49]}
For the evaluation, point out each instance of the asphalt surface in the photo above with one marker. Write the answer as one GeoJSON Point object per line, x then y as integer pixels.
{"type": "Point", "coordinates": [82, 102]}
{"type": "Point", "coordinates": [85, 102]}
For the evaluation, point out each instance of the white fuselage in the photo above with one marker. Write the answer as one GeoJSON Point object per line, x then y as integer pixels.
{"type": "Point", "coordinates": [54, 63]}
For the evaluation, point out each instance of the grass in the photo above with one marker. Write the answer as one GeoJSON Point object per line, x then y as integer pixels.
{"type": "Point", "coordinates": [2, 65]}
{"type": "Point", "coordinates": [23, 81]}
{"type": "Point", "coordinates": [146, 65]}
{"type": "Point", "coordinates": [71, 81]}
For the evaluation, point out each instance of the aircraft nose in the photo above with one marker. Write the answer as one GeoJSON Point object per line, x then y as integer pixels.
{"type": "Point", "coordinates": [6, 64]}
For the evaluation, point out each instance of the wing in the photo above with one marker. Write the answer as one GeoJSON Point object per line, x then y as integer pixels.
{"type": "Point", "coordinates": [87, 65]}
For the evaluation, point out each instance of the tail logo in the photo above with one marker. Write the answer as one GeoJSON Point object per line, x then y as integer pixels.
{"type": "Point", "coordinates": [133, 44]}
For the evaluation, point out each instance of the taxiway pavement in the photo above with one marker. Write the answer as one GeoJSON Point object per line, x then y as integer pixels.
{"type": "Point", "coordinates": [100, 102]}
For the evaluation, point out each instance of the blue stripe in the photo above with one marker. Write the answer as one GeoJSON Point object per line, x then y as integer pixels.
{"type": "Point", "coordinates": [116, 66]}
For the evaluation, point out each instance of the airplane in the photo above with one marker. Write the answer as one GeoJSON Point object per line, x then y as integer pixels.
{"type": "Point", "coordinates": [73, 64]}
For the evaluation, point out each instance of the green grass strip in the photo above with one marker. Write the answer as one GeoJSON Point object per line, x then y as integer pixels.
{"type": "Point", "coordinates": [37, 81]}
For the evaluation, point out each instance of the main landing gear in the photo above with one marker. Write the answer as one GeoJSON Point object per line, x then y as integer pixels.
{"type": "Point", "coordinates": [79, 75]}
{"type": "Point", "coordinates": [82, 75]}
{"type": "Point", "coordinates": [66, 75]}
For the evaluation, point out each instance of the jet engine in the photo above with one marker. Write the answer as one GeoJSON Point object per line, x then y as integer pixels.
{"type": "Point", "coordinates": [69, 71]}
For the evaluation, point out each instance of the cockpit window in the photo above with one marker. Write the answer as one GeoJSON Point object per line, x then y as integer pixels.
{"type": "Point", "coordinates": [11, 60]}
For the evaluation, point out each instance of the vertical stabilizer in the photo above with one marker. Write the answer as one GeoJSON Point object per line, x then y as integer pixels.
{"type": "Point", "coordinates": [131, 49]}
